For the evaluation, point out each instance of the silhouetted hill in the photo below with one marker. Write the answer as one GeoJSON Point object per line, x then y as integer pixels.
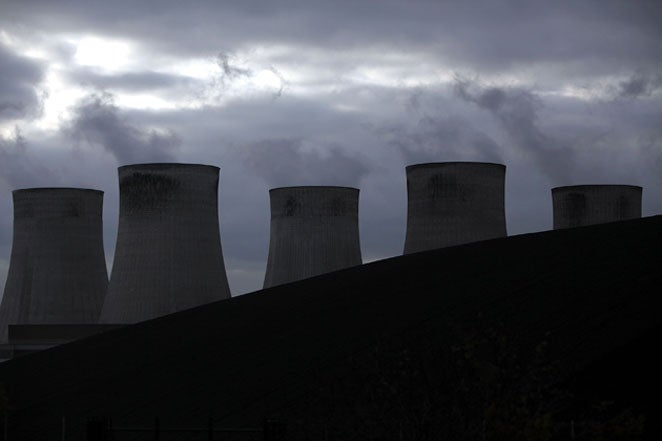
{"type": "Point", "coordinates": [587, 293]}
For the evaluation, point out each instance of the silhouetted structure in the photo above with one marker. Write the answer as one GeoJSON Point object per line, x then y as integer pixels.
{"type": "Point", "coordinates": [26, 339]}
{"type": "Point", "coordinates": [168, 255]}
{"type": "Point", "coordinates": [57, 272]}
{"type": "Point", "coordinates": [355, 350]}
{"type": "Point", "coordinates": [452, 203]}
{"type": "Point", "coordinates": [314, 230]}
{"type": "Point", "coordinates": [581, 205]}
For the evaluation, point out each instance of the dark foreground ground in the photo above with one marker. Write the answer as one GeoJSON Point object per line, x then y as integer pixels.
{"type": "Point", "coordinates": [538, 336]}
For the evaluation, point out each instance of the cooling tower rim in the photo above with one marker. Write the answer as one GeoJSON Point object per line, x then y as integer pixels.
{"type": "Point", "coordinates": [596, 186]}
{"type": "Point", "coordinates": [19, 191]}
{"type": "Point", "coordinates": [165, 166]}
{"type": "Point", "coordinates": [451, 163]}
{"type": "Point", "coordinates": [298, 187]}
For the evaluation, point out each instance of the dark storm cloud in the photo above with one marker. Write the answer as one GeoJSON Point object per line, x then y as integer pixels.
{"type": "Point", "coordinates": [19, 77]}
{"type": "Point", "coordinates": [98, 122]}
{"type": "Point", "coordinates": [289, 162]}
{"type": "Point", "coordinates": [132, 81]}
{"type": "Point", "coordinates": [517, 110]}
{"type": "Point", "coordinates": [484, 35]}
{"type": "Point", "coordinates": [594, 33]}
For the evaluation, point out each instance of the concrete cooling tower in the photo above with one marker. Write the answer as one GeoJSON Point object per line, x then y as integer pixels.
{"type": "Point", "coordinates": [314, 230]}
{"type": "Point", "coordinates": [579, 205]}
{"type": "Point", "coordinates": [451, 203]}
{"type": "Point", "coordinates": [168, 255]}
{"type": "Point", "coordinates": [57, 272]}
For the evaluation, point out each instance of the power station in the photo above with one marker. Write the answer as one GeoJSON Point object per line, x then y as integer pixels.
{"type": "Point", "coordinates": [57, 272]}
{"type": "Point", "coordinates": [168, 255]}
{"type": "Point", "coordinates": [452, 203]}
{"type": "Point", "coordinates": [314, 230]}
{"type": "Point", "coordinates": [580, 205]}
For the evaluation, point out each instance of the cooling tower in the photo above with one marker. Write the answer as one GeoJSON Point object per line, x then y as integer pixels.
{"type": "Point", "coordinates": [57, 272]}
{"type": "Point", "coordinates": [451, 203]}
{"type": "Point", "coordinates": [168, 255]}
{"type": "Point", "coordinates": [314, 230]}
{"type": "Point", "coordinates": [579, 205]}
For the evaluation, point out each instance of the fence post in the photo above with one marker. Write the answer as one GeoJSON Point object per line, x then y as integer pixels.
{"type": "Point", "coordinates": [64, 428]}
{"type": "Point", "coordinates": [157, 429]}
{"type": "Point", "coordinates": [210, 429]}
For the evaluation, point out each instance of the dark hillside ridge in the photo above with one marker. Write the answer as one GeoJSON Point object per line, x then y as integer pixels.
{"type": "Point", "coordinates": [587, 291]}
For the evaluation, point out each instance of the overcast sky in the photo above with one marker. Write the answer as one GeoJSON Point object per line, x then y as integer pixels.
{"type": "Point", "coordinates": [329, 93]}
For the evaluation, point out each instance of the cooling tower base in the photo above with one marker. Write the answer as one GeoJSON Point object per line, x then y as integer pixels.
{"type": "Point", "coordinates": [26, 339]}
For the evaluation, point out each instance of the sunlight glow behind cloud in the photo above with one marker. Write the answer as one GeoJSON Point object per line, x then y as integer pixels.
{"type": "Point", "coordinates": [107, 54]}
{"type": "Point", "coordinates": [60, 96]}
{"type": "Point", "coordinates": [199, 68]}
{"type": "Point", "coordinates": [146, 102]}
{"type": "Point", "coordinates": [267, 79]}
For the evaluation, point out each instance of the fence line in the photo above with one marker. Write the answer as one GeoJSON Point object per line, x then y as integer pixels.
{"type": "Point", "coordinates": [102, 429]}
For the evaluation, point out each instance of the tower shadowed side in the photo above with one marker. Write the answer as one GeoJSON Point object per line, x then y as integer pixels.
{"type": "Point", "coordinates": [168, 255]}
{"type": "Point", "coordinates": [314, 230]}
{"type": "Point", "coordinates": [581, 205]}
{"type": "Point", "coordinates": [57, 272]}
{"type": "Point", "coordinates": [452, 203]}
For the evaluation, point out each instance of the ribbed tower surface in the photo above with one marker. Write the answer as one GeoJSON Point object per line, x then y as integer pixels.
{"type": "Point", "coordinates": [57, 272]}
{"type": "Point", "coordinates": [168, 255]}
{"type": "Point", "coordinates": [452, 203]}
{"type": "Point", "coordinates": [314, 230]}
{"type": "Point", "coordinates": [580, 205]}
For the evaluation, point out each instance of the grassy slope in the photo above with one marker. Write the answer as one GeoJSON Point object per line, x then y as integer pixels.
{"type": "Point", "coordinates": [590, 291]}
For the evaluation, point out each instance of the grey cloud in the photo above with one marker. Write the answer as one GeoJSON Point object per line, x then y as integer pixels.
{"type": "Point", "coordinates": [18, 166]}
{"type": "Point", "coordinates": [289, 161]}
{"type": "Point", "coordinates": [651, 145]}
{"type": "Point", "coordinates": [19, 97]}
{"type": "Point", "coordinates": [516, 110]}
{"type": "Point", "coordinates": [132, 81]}
{"type": "Point", "coordinates": [481, 35]}
{"type": "Point", "coordinates": [245, 121]}
{"type": "Point", "coordinates": [514, 34]}
{"type": "Point", "coordinates": [230, 71]}
{"type": "Point", "coordinates": [436, 138]}
{"type": "Point", "coordinates": [283, 82]}
{"type": "Point", "coordinates": [639, 85]}
{"type": "Point", "coordinates": [434, 126]}
{"type": "Point", "coordinates": [98, 122]}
